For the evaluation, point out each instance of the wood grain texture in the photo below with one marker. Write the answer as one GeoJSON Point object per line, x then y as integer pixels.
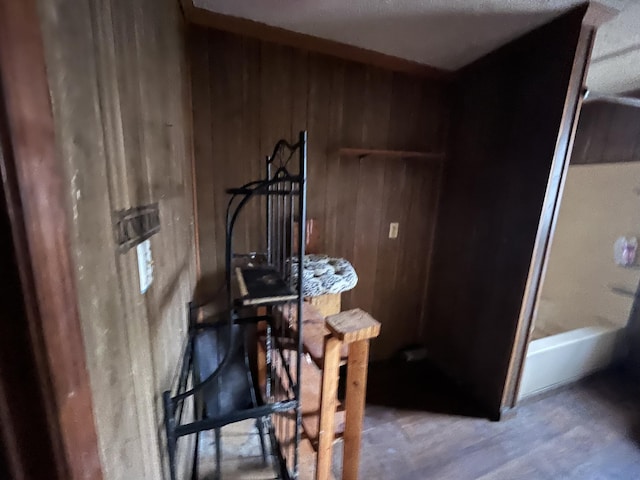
{"type": "Point", "coordinates": [353, 326]}
{"type": "Point", "coordinates": [587, 430]}
{"type": "Point", "coordinates": [355, 397]}
{"type": "Point", "coordinates": [264, 32]}
{"type": "Point", "coordinates": [506, 129]}
{"type": "Point", "coordinates": [30, 439]}
{"type": "Point", "coordinates": [369, 152]}
{"type": "Point", "coordinates": [252, 93]}
{"type": "Point", "coordinates": [35, 195]}
{"type": "Point", "coordinates": [328, 405]}
{"type": "Point", "coordinates": [314, 332]}
{"type": "Point", "coordinates": [607, 133]}
{"type": "Point", "coordinates": [118, 80]}
{"type": "Point", "coordinates": [327, 304]}
{"type": "Point", "coordinates": [311, 392]}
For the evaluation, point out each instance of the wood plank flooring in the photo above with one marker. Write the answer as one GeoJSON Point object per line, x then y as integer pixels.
{"type": "Point", "coordinates": [588, 431]}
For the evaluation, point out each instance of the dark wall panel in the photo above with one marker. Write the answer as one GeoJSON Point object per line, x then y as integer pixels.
{"type": "Point", "coordinates": [506, 121]}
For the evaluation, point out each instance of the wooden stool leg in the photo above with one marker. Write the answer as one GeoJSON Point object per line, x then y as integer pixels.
{"type": "Point", "coordinates": [261, 365]}
{"type": "Point", "coordinates": [328, 402]}
{"type": "Point", "coordinates": [354, 407]}
{"type": "Point", "coordinates": [261, 354]}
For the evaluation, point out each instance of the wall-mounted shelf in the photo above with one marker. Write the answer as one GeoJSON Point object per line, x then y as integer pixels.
{"type": "Point", "coordinates": [369, 152]}
{"type": "Point", "coordinates": [625, 292]}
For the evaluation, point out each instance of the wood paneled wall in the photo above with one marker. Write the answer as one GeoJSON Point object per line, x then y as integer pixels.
{"type": "Point", "coordinates": [120, 93]}
{"type": "Point", "coordinates": [505, 134]}
{"type": "Point", "coordinates": [247, 94]}
{"type": "Point", "coordinates": [607, 133]}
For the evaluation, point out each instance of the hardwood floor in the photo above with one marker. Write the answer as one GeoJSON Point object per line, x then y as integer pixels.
{"type": "Point", "coordinates": [587, 431]}
{"type": "Point", "coordinates": [590, 430]}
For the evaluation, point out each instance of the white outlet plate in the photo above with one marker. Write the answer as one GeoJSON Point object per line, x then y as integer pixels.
{"type": "Point", "coordinates": [145, 265]}
{"type": "Point", "coordinates": [393, 229]}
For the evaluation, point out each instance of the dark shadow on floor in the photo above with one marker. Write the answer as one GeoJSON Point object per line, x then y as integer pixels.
{"type": "Point", "coordinates": [417, 385]}
{"type": "Point", "coordinates": [624, 398]}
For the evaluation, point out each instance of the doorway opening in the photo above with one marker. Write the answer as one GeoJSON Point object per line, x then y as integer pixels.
{"type": "Point", "coordinates": [592, 274]}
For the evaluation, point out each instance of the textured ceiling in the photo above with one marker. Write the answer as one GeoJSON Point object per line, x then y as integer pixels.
{"type": "Point", "coordinates": [447, 33]}
{"type": "Point", "coordinates": [615, 62]}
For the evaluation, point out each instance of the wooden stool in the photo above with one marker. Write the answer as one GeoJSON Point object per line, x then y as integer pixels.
{"type": "Point", "coordinates": [354, 328]}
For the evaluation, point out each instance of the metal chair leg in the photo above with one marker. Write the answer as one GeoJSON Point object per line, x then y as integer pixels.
{"type": "Point", "coordinates": [194, 467]}
{"type": "Point", "coordinates": [218, 436]}
{"type": "Point", "coordinates": [254, 400]}
{"type": "Point", "coordinates": [169, 425]}
{"type": "Point", "coordinates": [260, 425]}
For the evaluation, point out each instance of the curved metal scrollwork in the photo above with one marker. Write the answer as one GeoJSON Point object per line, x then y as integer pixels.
{"type": "Point", "coordinates": [284, 188]}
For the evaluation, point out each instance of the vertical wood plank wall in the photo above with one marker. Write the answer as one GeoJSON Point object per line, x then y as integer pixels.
{"type": "Point", "coordinates": [247, 94]}
{"type": "Point", "coordinates": [607, 133]}
{"type": "Point", "coordinates": [509, 108]}
{"type": "Point", "coordinates": [119, 87]}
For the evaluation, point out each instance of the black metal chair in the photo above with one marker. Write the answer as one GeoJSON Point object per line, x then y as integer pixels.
{"type": "Point", "coordinates": [217, 393]}
{"type": "Point", "coordinates": [216, 357]}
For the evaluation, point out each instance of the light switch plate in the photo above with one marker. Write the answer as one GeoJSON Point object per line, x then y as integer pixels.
{"type": "Point", "coordinates": [393, 229]}
{"type": "Point", "coordinates": [145, 265]}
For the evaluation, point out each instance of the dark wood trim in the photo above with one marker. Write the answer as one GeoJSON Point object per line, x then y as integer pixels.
{"type": "Point", "coordinates": [24, 410]}
{"type": "Point", "coordinates": [624, 100]}
{"type": "Point", "coordinates": [549, 216]}
{"type": "Point", "coordinates": [36, 201]}
{"type": "Point", "coordinates": [268, 33]}
{"type": "Point", "coordinates": [599, 14]}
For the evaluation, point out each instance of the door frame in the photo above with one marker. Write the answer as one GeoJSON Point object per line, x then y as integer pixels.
{"type": "Point", "coordinates": [594, 17]}
{"type": "Point", "coordinates": [36, 203]}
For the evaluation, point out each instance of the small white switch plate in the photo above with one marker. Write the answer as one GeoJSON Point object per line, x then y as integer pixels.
{"type": "Point", "coordinates": [145, 265]}
{"type": "Point", "coordinates": [393, 229]}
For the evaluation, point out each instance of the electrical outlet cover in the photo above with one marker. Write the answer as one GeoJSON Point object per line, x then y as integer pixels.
{"type": "Point", "coordinates": [393, 229]}
{"type": "Point", "coordinates": [145, 265]}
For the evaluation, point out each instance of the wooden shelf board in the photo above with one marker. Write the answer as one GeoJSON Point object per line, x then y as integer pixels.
{"type": "Point", "coordinates": [310, 393]}
{"type": "Point", "coordinates": [261, 286]}
{"type": "Point", "coordinates": [313, 333]}
{"type": "Point", "coordinates": [367, 152]}
{"type": "Point", "coordinates": [310, 404]}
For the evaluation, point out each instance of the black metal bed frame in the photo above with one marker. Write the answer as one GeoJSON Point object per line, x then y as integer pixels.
{"type": "Point", "coordinates": [272, 285]}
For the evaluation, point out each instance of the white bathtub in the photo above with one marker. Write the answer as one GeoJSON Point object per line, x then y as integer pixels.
{"type": "Point", "coordinates": [566, 357]}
